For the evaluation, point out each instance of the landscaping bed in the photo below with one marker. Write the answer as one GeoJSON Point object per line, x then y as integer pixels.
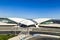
{"type": "Point", "coordinates": [6, 36]}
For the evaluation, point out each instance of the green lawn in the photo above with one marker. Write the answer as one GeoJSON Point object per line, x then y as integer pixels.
{"type": "Point", "coordinates": [6, 36]}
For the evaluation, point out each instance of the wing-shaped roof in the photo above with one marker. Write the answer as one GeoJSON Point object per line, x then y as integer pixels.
{"type": "Point", "coordinates": [27, 22]}
{"type": "Point", "coordinates": [18, 20]}
{"type": "Point", "coordinates": [22, 21]}
{"type": "Point", "coordinates": [40, 20]}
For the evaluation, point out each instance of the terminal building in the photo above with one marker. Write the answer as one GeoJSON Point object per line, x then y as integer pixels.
{"type": "Point", "coordinates": [10, 25]}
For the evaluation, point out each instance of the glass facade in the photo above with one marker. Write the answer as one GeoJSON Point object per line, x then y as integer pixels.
{"type": "Point", "coordinates": [53, 21]}
{"type": "Point", "coordinates": [6, 20]}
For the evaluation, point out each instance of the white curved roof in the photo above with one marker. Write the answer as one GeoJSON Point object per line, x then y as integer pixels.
{"type": "Point", "coordinates": [22, 21]}
{"type": "Point", "coordinates": [18, 20]}
{"type": "Point", "coordinates": [27, 22]}
{"type": "Point", "coordinates": [40, 20]}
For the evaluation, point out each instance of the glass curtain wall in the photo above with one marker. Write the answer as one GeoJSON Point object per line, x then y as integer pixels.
{"type": "Point", "coordinates": [6, 20]}
{"type": "Point", "coordinates": [53, 21]}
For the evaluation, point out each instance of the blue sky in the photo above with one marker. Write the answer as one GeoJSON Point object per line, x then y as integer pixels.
{"type": "Point", "coordinates": [30, 8]}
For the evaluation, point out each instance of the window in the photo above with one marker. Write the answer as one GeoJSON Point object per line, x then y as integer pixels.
{"type": "Point", "coordinates": [54, 21]}
{"type": "Point", "coordinates": [48, 22]}
{"type": "Point", "coordinates": [6, 20]}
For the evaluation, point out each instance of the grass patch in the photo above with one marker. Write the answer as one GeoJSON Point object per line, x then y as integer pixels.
{"type": "Point", "coordinates": [6, 37]}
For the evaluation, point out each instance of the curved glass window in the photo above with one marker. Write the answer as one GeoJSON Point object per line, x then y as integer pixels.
{"type": "Point", "coordinates": [51, 22]}
{"type": "Point", "coordinates": [6, 20]}
{"type": "Point", "coordinates": [47, 22]}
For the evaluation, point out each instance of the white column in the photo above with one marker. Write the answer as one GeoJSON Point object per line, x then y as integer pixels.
{"type": "Point", "coordinates": [37, 25]}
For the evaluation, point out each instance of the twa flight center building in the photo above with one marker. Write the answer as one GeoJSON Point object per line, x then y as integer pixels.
{"type": "Point", "coordinates": [12, 25]}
